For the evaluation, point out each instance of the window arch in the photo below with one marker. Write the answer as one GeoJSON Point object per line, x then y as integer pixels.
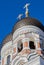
{"type": "Point", "coordinates": [20, 46]}
{"type": "Point", "coordinates": [31, 45]}
{"type": "Point", "coordinates": [8, 60]}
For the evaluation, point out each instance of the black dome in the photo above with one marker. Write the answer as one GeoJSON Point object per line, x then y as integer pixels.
{"type": "Point", "coordinates": [28, 21]}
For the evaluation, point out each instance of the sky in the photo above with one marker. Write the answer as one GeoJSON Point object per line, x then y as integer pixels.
{"type": "Point", "coordinates": [10, 9]}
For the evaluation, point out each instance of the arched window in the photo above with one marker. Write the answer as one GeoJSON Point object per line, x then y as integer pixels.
{"type": "Point", "coordinates": [20, 46]}
{"type": "Point", "coordinates": [31, 45]}
{"type": "Point", "coordinates": [8, 60]}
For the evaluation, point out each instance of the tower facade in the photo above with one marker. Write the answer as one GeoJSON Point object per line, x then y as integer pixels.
{"type": "Point", "coordinates": [25, 45]}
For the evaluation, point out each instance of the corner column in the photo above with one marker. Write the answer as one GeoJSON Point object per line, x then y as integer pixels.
{"type": "Point", "coordinates": [38, 48]}
{"type": "Point", "coordinates": [25, 42]}
{"type": "Point", "coordinates": [26, 49]}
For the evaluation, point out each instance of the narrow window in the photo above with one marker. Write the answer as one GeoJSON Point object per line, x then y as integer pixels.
{"type": "Point", "coordinates": [31, 45]}
{"type": "Point", "coordinates": [8, 60]}
{"type": "Point", "coordinates": [20, 47]}
{"type": "Point", "coordinates": [42, 47]}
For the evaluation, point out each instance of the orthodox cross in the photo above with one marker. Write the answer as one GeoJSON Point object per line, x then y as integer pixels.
{"type": "Point", "coordinates": [19, 16]}
{"type": "Point", "coordinates": [27, 12]}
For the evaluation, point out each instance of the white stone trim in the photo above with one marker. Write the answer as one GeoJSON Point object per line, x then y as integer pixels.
{"type": "Point", "coordinates": [38, 49]}
{"type": "Point", "coordinates": [25, 40]}
{"type": "Point", "coordinates": [26, 48]}
{"type": "Point", "coordinates": [29, 28]}
{"type": "Point", "coordinates": [19, 58]}
{"type": "Point", "coordinates": [23, 59]}
{"type": "Point", "coordinates": [19, 38]}
{"type": "Point", "coordinates": [15, 59]}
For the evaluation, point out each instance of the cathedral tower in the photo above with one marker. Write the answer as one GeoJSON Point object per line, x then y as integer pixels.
{"type": "Point", "coordinates": [25, 45]}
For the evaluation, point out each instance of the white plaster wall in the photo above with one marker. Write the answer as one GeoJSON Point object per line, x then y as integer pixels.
{"type": "Point", "coordinates": [0, 62]}
{"type": "Point", "coordinates": [35, 61]}
{"type": "Point", "coordinates": [41, 61]}
{"type": "Point", "coordinates": [6, 50]}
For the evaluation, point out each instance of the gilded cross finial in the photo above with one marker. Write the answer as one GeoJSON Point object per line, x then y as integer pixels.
{"type": "Point", "coordinates": [27, 12]}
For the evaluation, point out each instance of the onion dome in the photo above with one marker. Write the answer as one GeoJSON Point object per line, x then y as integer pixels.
{"type": "Point", "coordinates": [7, 39]}
{"type": "Point", "coordinates": [28, 21]}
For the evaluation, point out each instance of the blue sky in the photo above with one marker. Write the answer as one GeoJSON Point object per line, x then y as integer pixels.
{"type": "Point", "coordinates": [10, 9]}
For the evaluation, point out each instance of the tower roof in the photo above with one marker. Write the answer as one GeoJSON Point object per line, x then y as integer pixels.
{"type": "Point", "coordinates": [28, 21]}
{"type": "Point", "coordinates": [7, 39]}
